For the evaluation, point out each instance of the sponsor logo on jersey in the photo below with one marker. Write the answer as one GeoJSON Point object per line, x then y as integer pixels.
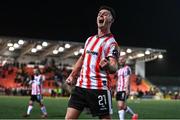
{"type": "Point", "coordinates": [92, 52]}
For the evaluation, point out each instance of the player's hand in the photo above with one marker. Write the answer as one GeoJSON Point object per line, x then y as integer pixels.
{"type": "Point", "coordinates": [69, 80]}
{"type": "Point", "coordinates": [104, 63]}
{"type": "Point", "coordinates": [115, 94]}
{"type": "Point", "coordinates": [127, 92]}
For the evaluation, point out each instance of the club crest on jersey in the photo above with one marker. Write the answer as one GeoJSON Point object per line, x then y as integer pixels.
{"type": "Point", "coordinates": [104, 83]}
{"type": "Point", "coordinates": [115, 52]}
{"type": "Point", "coordinates": [92, 52]}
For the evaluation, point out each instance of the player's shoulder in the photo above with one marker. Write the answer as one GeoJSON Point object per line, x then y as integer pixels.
{"type": "Point", "coordinates": [127, 67]}
{"type": "Point", "coordinates": [112, 38]}
{"type": "Point", "coordinates": [111, 41]}
{"type": "Point", "coordinates": [89, 39]}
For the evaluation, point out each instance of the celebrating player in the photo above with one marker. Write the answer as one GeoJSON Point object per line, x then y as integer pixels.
{"type": "Point", "coordinates": [98, 60]}
{"type": "Point", "coordinates": [123, 89]}
{"type": "Point", "coordinates": [36, 94]}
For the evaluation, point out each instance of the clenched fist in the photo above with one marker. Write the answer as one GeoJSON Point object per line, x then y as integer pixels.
{"type": "Point", "coordinates": [104, 63]}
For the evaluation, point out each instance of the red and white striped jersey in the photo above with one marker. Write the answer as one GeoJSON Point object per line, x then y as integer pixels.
{"type": "Point", "coordinates": [36, 85]}
{"type": "Point", "coordinates": [95, 49]}
{"type": "Point", "coordinates": [123, 75]}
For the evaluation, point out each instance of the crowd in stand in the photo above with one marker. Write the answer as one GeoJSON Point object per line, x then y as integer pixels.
{"type": "Point", "coordinates": [51, 72]}
{"type": "Point", "coordinates": [58, 76]}
{"type": "Point", "coordinates": [6, 69]}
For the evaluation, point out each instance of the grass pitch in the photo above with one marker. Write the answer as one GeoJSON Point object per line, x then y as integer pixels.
{"type": "Point", "coordinates": [12, 107]}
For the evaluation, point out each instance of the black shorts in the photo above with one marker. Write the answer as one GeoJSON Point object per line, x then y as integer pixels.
{"type": "Point", "coordinates": [121, 96]}
{"type": "Point", "coordinates": [37, 98]}
{"type": "Point", "coordinates": [98, 101]}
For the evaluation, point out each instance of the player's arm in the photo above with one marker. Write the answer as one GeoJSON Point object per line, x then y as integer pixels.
{"type": "Point", "coordinates": [75, 70]}
{"type": "Point", "coordinates": [42, 79]}
{"type": "Point", "coordinates": [127, 79]}
{"type": "Point", "coordinates": [30, 82]}
{"type": "Point", "coordinates": [127, 85]}
{"type": "Point", "coordinates": [31, 79]}
{"type": "Point", "coordinates": [109, 64]}
{"type": "Point", "coordinates": [112, 65]}
{"type": "Point", "coordinates": [116, 76]}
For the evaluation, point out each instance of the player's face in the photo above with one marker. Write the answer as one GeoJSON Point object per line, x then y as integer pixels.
{"type": "Point", "coordinates": [104, 18]}
{"type": "Point", "coordinates": [122, 61]}
{"type": "Point", "coordinates": [36, 73]}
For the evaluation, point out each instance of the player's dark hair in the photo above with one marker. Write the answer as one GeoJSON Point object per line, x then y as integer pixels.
{"type": "Point", "coordinates": [109, 9]}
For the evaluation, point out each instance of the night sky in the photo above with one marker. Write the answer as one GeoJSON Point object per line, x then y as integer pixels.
{"type": "Point", "coordinates": [139, 23]}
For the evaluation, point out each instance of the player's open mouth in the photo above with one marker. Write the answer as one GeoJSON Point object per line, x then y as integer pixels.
{"type": "Point", "coordinates": [101, 21]}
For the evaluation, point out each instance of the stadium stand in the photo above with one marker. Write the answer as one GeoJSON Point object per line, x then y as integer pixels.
{"type": "Point", "coordinates": [143, 86]}
{"type": "Point", "coordinates": [8, 80]}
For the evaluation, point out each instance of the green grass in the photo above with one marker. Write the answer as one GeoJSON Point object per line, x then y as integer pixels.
{"type": "Point", "coordinates": [15, 107]}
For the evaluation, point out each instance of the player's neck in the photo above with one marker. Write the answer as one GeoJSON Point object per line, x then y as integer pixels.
{"type": "Point", "coordinates": [103, 32]}
{"type": "Point", "coordinates": [123, 65]}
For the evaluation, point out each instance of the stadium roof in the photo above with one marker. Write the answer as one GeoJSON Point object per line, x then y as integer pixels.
{"type": "Point", "coordinates": [13, 47]}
